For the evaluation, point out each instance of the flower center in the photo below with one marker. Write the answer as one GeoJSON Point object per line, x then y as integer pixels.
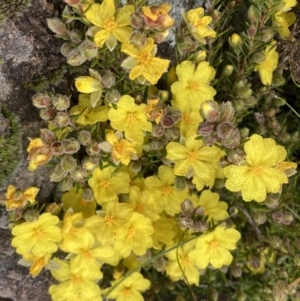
{"type": "Point", "coordinates": [256, 170]}
{"type": "Point", "coordinates": [167, 190]}
{"type": "Point", "coordinates": [104, 183]}
{"type": "Point", "coordinates": [126, 291]}
{"type": "Point", "coordinates": [87, 254]}
{"type": "Point", "coordinates": [109, 219]}
{"type": "Point", "coordinates": [140, 208]}
{"type": "Point", "coordinates": [194, 86]}
{"type": "Point", "coordinates": [192, 157]}
{"type": "Point", "coordinates": [131, 118]}
{"type": "Point", "coordinates": [39, 234]}
{"type": "Point", "coordinates": [214, 244]}
{"type": "Point", "coordinates": [83, 203]}
{"type": "Point", "coordinates": [110, 24]}
{"type": "Point", "coordinates": [185, 261]}
{"type": "Point", "coordinates": [76, 280]}
{"type": "Point", "coordinates": [131, 232]}
{"type": "Point", "coordinates": [144, 59]}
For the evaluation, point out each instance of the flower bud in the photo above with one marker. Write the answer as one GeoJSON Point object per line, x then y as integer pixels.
{"type": "Point", "coordinates": [138, 39]}
{"type": "Point", "coordinates": [57, 173]}
{"type": "Point", "coordinates": [112, 96]}
{"type": "Point", "coordinates": [88, 194]}
{"type": "Point", "coordinates": [135, 166]}
{"type": "Point", "coordinates": [75, 58]}
{"type": "Point", "coordinates": [187, 207]}
{"type": "Point", "coordinates": [277, 217]}
{"type": "Point", "coordinates": [254, 261]}
{"type": "Point", "coordinates": [199, 56]}
{"type": "Point", "coordinates": [235, 41]}
{"type": "Point", "coordinates": [198, 212]}
{"type": "Point", "coordinates": [258, 57]}
{"type": "Point", "coordinates": [227, 70]}
{"type": "Point", "coordinates": [57, 148]}
{"type": "Point", "coordinates": [236, 156]}
{"type": "Point", "coordinates": [84, 137]}
{"type": "Point", "coordinates": [15, 215]}
{"type": "Point", "coordinates": [244, 92]}
{"type": "Point", "coordinates": [66, 48]}
{"type": "Point", "coordinates": [47, 113]}
{"type": "Point", "coordinates": [216, 15]}
{"type": "Point", "coordinates": [61, 102]}
{"type": "Point", "coordinates": [157, 131]}
{"type": "Point", "coordinates": [259, 217]}
{"type": "Point", "coordinates": [227, 111]}
{"type": "Point", "coordinates": [57, 26]}
{"type": "Point", "coordinates": [172, 134]}
{"type": "Point", "coordinates": [93, 149]}
{"type": "Point", "coordinates": [31, 215]}
{"type": "Point", "coordinates": [41, 100]}
{"type": "Point", "coordinates": [210, 111]}
{"type": "Point", "coordinates": [75, 36]}
{"type": "Point", "coordinates": [47, 135]}
{"type": "Point", "coordinates": [252, 14]}
{"type": "Point", "coordinates": [251, 30]}
{"type": "Point", "coordinates": [108, 80]}
{"type": "Point", "coordinates": [71, 146]}
{"type": "Point", "coordinates": [53, 208]}
{"type": "Point", "coordinates": [231, 5]}
{"type": "Point", "coordinates": [61, 119]}
{"type": "Point", "coordinates": [225, 130]}
{"type": "Point", "coordinates": [79, 174]}
{"type": "Point", "coordinates": [199, 226]}
{"type": "Point", "coordinates": [267, 35]}
{"type": "Point", "coordinates": [224, 269]}
{"type": "Point", "coordinates": [180, 183]}
{"type": "Point", "coordinates": [236, 271]}
{"type": "Point", "coordinates": [275, 242]}
{"type": "Point", "coordinates": [68, 163]}
{"type": "Point", "coordinates": [241, 296]}
{"type": "Point", "coordinates": [280, 290]}
{"type": "Point", "coordinates": [233, 141]}
{"type": "Point", "coordinates": [90, 163]}
{"type": "Point", "coordinates": [213, 294]}
{"type": "Point", "coordinates": [88, 50]}
{"type": "Point", "coordinates": [136, 21]}
{"type": "Point", "coordinates": [205, 129]}
{"type": "Point", "coordinates": [66, 183]}
{"type": "Point", "coordinates": [160, 264]}
{"type": "Point", "coordinates": [287, 218]}
{"type": "Point", "coordinates": [250, 101]}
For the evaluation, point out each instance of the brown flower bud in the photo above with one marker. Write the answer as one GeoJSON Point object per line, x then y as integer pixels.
{"type": "Point", "coordinates": [213, 294]}
{"type": "Point", "coordinates": [61, 102]}
{"type": "Point", "coordinates": [160, 264]}
{"type": "Point", "coordinates": [210, 111]}
{"type": "Point", "coordinates": [57, 148]}
{"type": "Point", "coordinates": [157, 131]}
{"type": "Point", "coordinates": [57, 26]}
{"type": "Point", "coordinates": [236, 156]}
{"type": "Point", "coordinates": [93, 148]}
{"type": "Point", "coordinates": [180, 183]}
{"type": "Point", "coordinates": [15, 215]}
{"type": "Point", "coordinates": [138, 39]}
{"type": "Point", "coordinates": [198, 212]}
{"type": "Point", "coordinates": [112, 96]}
{"type": "Point", "coordinates": [75, 36]}
{"type": "Point", "coordinates": [205, 129]}
{"type": "Point", "coordinates": [280, 290]}
{"type": "Point", "coordinates": [57, 173]}
{"type": "Point", "coordinates": [66, 48]}
{"type": "Point", "coordinates": [61, 119]}
{"type": "Point", "coordinates": [84, 137]}
{"type": "Point", "coordinates": [297, 260]}
{"type": "Point", "coordinates": [71, 146]}
{"type": "Point", "coordinates": [47, 135]}
{"type": "Point", "coordinates": [225, 130]}
{"type": "Point", "coordinates": [254, 261]}
{"type": "Point", "coordinates": [47, 113]}
{"type": "Point", "coordinates": [41, 100]}
{"type": "Point", "coordinates": [79, 174]}
{"type": "Point", "coordinates": [275, 242]}
{"type": "Point", "coordinates": [75, 58]}
{"type": "Point", "coordinates": [108, 80]}
{"type": "Point", "coordinates": [287, 218]}
{"type": "Point", "coordinates": [251, 30]}
{"type": "Point", "coordinates": [53, 208]}
{"type": "Point", "coordinates": [236, 271]}
{"type": "Point", "coordinates": [66, 183]}
{"type": "Point", "coordinates": [259, 217]}
{"type": "Point", "coordinates": [231, 5]}
{"type": "Point", "coordinates": [68, 163]}
{"type": "Point", "coordinates": [241, 296]}
{"type": "Point", "coordinates": [267, 35]}
{"type": "Point", "coordinates": [253, 14]}
{"type": "Point", "coordinates": [88, 50]}
{"type": "Point", "coordinates": [31, 215]}
{"type": "Point", "coordinates": [187, 207]}
{"type": "Point", "coordinates": [172, 134]}
{"type": "Point", "coordinates": [258, 57]}
{"type": "Point", "coordinates": [136, 21]}
{"type": "Point", "coordinates": [135, 166]}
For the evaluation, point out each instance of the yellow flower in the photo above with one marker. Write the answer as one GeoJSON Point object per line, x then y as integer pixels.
{"type": "Point", "coordinates": [173, 270]}
{"type": "Point", "coordinates": [130, 118]}
{"type": "Point", "coordinates": [129, 289]}
{"type": "Point", "coordinates": [73, 286]}
{"type": "Point", "coordinates": [110, 27]}
{"type": "Point", "coordinates": [74, 199]}
{"type": "Point", "coordinates": [39, 153]}
{"type": "Point", "coordinates": [164, 232]}
{"type": "Point", "coordinates": [143, 64]}
{"type": "Point", "coordinates": [87, 84]}
{"type": "Point", "coordinates": [36, 263]}
{"type": "Point", "coordinates": [194, 159]}
{"type": "Point", "coordinates": [39, 237]}
{"type": "Point", "coordinates": [198, 24]}
{"type": "Point", "coordinates": [192, 86]}
{"type": "Point", "coordinates": [163, 194]}
{"type": "Point", "coordinates": [267, 66]}
{"type": "Point", "coordinates": [284, 19]}
{"type": "Point", "coordinates": [190, 118]}
{"type": "Point", "coordinates": [261, 173]}
{"type": "Point", "coordinates": [215, 209]}
{"type": "Point", "coordinates": [121, 149]}
{"type": "Point", "coordinates": [113, 217]}
{"type": "Point", "coordinates": [136, 238]}
{"type": "Point", "coordinates": [108, 183]}
{"type": "Point", "coordinates": [157, 16]}
{"type": "Point", "coordinates": [212, 248]}
{"type": "Point", "coordinates": [18, 199]}
{"type": "Point", "coordinates": [85, 114]}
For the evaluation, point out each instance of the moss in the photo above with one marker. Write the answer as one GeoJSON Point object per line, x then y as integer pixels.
{"type": "Point", "coordinates": [10, 145]}
{"type": "Point", "coordinates": [12, 9]}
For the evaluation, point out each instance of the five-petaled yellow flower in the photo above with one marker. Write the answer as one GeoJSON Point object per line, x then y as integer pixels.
{"type": "Point", "coordinates": [143, 64]}
{"type": "Point", "coordinates": [192, 87]}
{"type": "Point", "coordinates": [39, 237]}
{"type": "Point", "coordinates": [213, 248]}
{"type": "Point", "coordinates": [194, 159]}
{"type": "Point", "coordinates": [110, 27]}
{"type": "Point", "coordinates": [262, 172]}
{"type": "Point", "coordinates": [268, 65]}
{"type": "Point", "coordinates": [198, 24]}
{"type": "Point", "coordinates": [130, 289]}
{"type": "Point", "coordinates": [130, 118]}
